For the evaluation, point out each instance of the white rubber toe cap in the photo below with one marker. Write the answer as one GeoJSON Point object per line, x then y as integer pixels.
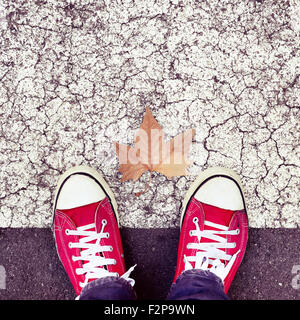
{"type": "Point", "coordinates": [79, 190]}
{"type": "Point", "coordinates": [221, 192]}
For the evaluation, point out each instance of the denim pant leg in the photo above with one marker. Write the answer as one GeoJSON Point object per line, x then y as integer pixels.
{"type": "Point", "coordinates": [108, 288]}
{"type": "Point", "coordinates": [197, 284]}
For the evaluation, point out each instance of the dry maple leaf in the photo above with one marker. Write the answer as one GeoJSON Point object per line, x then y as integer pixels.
{"type": "Point", "coordinates": [152, 153]}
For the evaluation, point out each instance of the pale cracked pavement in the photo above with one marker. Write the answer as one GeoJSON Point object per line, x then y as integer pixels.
{"type": "Point", "coordinates": [76, 76]}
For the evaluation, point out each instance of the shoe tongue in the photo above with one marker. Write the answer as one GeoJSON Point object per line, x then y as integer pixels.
{"type": "Point", "coordinates": [217, 215]}
{"type": "Point", "coordinates": [82, 215]}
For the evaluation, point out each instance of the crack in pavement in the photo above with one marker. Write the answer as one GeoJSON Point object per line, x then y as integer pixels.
{"type": "Point", "coordinates": [76, 75]}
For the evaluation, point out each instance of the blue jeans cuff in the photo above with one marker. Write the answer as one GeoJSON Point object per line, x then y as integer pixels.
{"type": "Point", "coordinates": [108, 288]}
{"type": "Point", "coordinates": [197, 284]}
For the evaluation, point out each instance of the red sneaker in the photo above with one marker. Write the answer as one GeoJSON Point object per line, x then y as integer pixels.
{"type": "Point", "coordinates": [214, 225]}
{"type": "Point", "coordinates": [86, 229]}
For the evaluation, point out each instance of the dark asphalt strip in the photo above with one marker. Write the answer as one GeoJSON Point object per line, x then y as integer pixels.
{"type": "Point", "coordinates": [30, 268]}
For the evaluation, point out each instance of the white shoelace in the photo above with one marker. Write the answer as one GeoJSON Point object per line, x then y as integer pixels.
{"type": "Point", "coordinates": [95, 267]}
{"type": "Point", "coordinates": [210, 252]}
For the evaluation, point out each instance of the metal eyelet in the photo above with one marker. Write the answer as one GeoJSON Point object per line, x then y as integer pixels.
{"type": "Point", "coordinates": [104, 222]}
{"type": "Point", "coordinates": [195, 219]}
{"type": "Point", "coordinates": [70, 245]}
{"type": "Point", "coordinates": [107, 235]}
{"type": "Point", "coordinates": [191, 233]}
{"type": "Point", "coordinates": [67, 232]}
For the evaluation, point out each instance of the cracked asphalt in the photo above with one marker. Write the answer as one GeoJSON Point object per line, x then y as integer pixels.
{"type": "Point", "coordinates": [76, 76]}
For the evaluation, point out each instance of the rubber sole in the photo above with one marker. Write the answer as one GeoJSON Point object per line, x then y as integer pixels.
{"type": "Point", "coordinates": [206, 175]}
{"type": "Point", "coordinates": [93, 173]}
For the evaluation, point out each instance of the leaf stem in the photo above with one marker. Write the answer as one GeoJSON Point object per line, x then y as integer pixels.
{"type": "Point", "coordinates": [147, 186]}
